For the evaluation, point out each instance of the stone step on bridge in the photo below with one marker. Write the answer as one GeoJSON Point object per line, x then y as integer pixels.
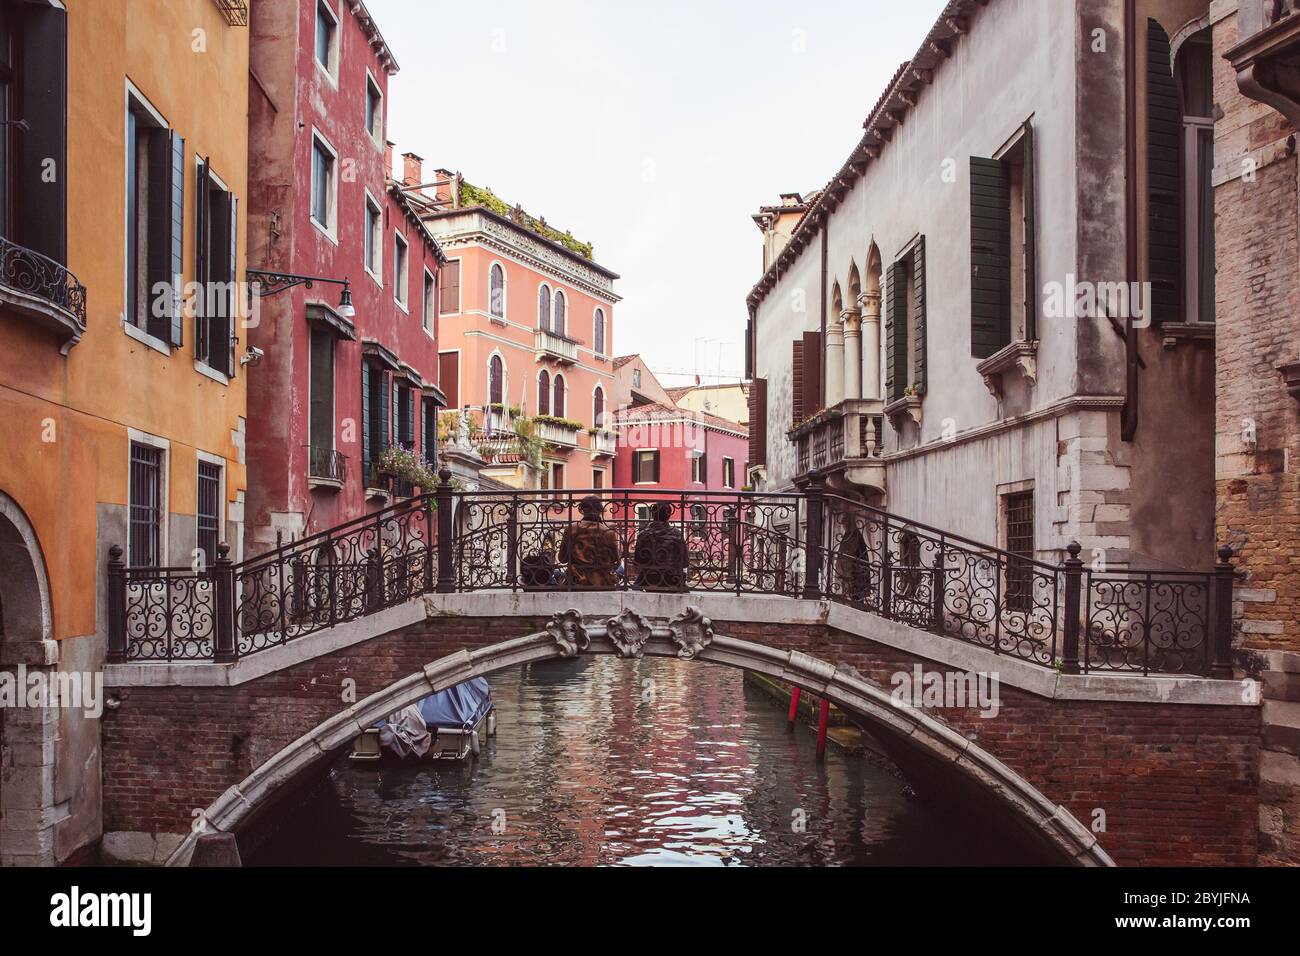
{"type": "Point", "coordinates": [1086, 714]}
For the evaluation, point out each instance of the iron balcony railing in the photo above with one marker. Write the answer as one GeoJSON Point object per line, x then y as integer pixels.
{"type": "Point", "coordinates": [326, 464]}
{"type": "Point", "coordinates": [811, 545]}
{"type": "Point", "coordinates": [27, 271]}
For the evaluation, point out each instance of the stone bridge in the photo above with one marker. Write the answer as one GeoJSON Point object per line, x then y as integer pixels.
{"type": "Point", "coordinates": [1088, 769]}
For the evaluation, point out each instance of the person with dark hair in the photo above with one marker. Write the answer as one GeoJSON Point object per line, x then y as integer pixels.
{"type": "Point", "coordinates": [661, 553]}
{"type": "Point", "coordinates": [590, 548]}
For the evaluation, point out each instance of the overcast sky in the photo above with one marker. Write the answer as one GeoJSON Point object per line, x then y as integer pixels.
{"type": "Point", "coordinates": [652, 130]}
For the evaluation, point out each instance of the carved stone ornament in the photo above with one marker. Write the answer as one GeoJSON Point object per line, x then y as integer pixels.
{"type": "Point", "coordinates": [569, 633]}
{"type": "Point", "coordinates": [692, 631]}
{"type": "Point", "coordinates": [629, 632]}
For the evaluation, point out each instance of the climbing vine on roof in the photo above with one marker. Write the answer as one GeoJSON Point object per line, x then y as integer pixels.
{"type": "Point", "coordinates": [471, 195]}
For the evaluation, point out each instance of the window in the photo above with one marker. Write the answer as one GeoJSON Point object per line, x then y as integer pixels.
{"type": "Point", "coordinates": [1018, 511]}
{"type": "Point", "coordinates": [1004, 286]}
{"type": "Point", "coordinates": [215, 270]}
{"type": "Point", "coordinates": [699, 468]}
{"type": "Point", "coordinates": [905, 345]}
{"type": "Point", "coordinates": [557, 476]}
{"type": "Point", "coordinates": [327, 28]}
{"type": "Point", "coordinates": [321, 404]}
{"type": "Point", "coordinates": [598, 408]}
{"type": "Point", "coordinates": [544, 393]}
{"type": "Point", "coordinates": [430, 301]}
{"type": "Point", "coordinates": [497, 291]}
{"type": "Point", "coordinates": [598, 478]}
{"type": "Point", "coordinates": [404, 414]}
{"type": "Point", "coordinates": [145, 538]}
{"type": "Point", "coordinates": [557, 403]}
{"type": "Point", "coordinates": [401, 274]}
{"type": "Point", "coordinates": [544, 308]}
{"type": "Point", "coordinates": [324, 185]}
{"type": "Point", "coordinates": [155, 211]}
{"type": "Point", "coordinates": [449, 300]}
{"type": "Point", "coordinates": [496, 381]}
{"type": "Point", "coordinates": [375, 409]}
{"type": "Point", "coordinates": [561, 304]}
{"type": "Point", "coordinates": [645, 469]}
{"type": "Point", "coordinates": [374, 110]}
{"type": "Point", "coordinates": [209, 510]}
{"type": "Point", "coordinates": [1195, 77]}
{"type": "Point", "coordinates": [374, 240]}
{"type": "Point", "coordinates": [728, 473]}
{"type": "Point", "coordinates": [429, 438]}
{"type": "Point", "coordinates": [598, 332]}
{"type": "Point", "coordinates": [636, 378]}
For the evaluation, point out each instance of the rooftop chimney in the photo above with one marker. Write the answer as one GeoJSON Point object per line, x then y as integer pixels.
{"type": "Point", "coordinates": [388, 160]}
{"type": "Point", "coordinates": [412, 170]}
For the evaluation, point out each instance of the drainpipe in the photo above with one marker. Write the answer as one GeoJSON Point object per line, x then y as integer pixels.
{"type": "Point", "coordinates": [1129, 423]}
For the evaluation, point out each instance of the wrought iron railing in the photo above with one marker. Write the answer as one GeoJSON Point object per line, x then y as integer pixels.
{"type": "Point", "coordinates": [327, 464]}
{"type": "Point", "coordinates": [811, 545]}
{"type": "Point", "coordinates": [31, 273]}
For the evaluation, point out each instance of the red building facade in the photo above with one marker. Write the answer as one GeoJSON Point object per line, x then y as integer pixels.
{"type": "Point", "coordinates": [336, 386]}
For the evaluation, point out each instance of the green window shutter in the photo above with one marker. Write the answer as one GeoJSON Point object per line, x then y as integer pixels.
{"type": "Point", "coordinates": [990, 257]}
{"type": "Point", "coordinates": [202, 256]}
{"type": "Point", "coordinates": [365, 420]}
{"type": "Point", "coordinates": [227, 352]}
{"type": "Point", "coordinates": [380, 440]}
{"type": "Point", "coordinates": [177, 271]}
{"type": "Point", "coordinates": [895, 333]}
{"type": "Point", "coordinates": [1164, 161]}
{"type": "Point", "coordinates": [1032, 297]}
{"type": "Point", "coordinates": [918, 306]}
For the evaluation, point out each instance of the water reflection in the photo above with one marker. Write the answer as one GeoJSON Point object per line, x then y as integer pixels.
{"type": "Point", "coordinates": [605, 762]}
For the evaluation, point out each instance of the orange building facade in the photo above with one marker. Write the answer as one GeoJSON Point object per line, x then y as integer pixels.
{"type": "Point", "coordinates": [122, 395]}
{"type": "Point", "coordinates": [526, 330]}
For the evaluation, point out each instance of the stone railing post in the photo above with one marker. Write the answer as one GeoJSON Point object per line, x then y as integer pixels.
{"type": "Point", "coordinates": [116, 606]}
{"type": "Point", "coordinates": [1225, 577]}
{"type": "Point", "coordinates": [1073, 570]}
{"type": "Point", "coordinates": [443, 497]}
{"type": "Point", "coordinates": [223, 598]}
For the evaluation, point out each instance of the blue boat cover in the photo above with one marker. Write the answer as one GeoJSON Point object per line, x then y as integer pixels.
{"type": "Point", "coordinates": [457, 708]}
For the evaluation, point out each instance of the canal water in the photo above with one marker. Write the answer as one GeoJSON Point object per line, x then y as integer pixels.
{"type": "Point", "coordinates": [600, 761]}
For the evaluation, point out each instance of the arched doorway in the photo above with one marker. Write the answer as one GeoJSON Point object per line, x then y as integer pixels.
{"type": "Point", "coordinates": [25, 622]}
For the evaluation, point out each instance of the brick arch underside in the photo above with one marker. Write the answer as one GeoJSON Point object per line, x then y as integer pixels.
{"type": "Point", "coordinates": [927, 749]}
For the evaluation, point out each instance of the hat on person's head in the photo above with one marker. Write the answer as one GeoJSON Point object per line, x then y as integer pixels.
{"type": "Point", "coordinates": [663, 511]}
{"type": "Point", "coordinates": [591, 507]}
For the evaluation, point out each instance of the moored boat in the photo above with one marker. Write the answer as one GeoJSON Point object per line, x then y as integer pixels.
{"type": "Point", "coordinates": [447, 726]}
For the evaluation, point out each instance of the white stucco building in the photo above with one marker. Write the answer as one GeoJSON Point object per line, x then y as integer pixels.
{"type": "Point", "coordinates": [927, 336]}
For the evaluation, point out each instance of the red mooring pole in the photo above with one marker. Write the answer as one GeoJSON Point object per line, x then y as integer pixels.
{"type": "Point", "coordinates": [822, 723]}
{"type": "Point", "coordinates": [794, 707]}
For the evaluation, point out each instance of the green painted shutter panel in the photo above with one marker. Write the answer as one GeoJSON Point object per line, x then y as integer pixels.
{"type": "Point", "coordinates": [796, 383]}
{"type": "Point", "coordinates": [227, 352]}
{"type": "Point", "coordinates": [1164, 161]}
{"type": "Point", "coordinates": [202, 253]}
{"type": "Point", "coordinates": [177, 270]}
{"type": "Point", "coordinates": [158, 267]}
{"type": "Point", "coordinates": [380, 441]}
{"type": "Point", "coordinates": [895, 332]}
{"type": "Point", "coordinates": [990, 257]}
{"type": "Point", "coordinates": [920, 366]}
{"type": "Point", "coordinates": [1032, 297]}
{"type": "Point", "coordinates": [365, 421]}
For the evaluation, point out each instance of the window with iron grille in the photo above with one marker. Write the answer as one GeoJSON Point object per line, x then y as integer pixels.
{"type": "Point", "coordinates": [209, 510]}
{"type": "Point", "coordinates": [145, 539]}
{"type": "Point", "coordinates": [1020, 545]}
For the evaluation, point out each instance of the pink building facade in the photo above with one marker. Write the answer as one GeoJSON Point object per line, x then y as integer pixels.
{"type": "Point", "coordinates": [336, 386]}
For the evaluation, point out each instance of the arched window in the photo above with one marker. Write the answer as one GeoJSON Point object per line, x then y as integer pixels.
{"type": "Point", "coordinates": [496, 381]}
{"type": "Point", "coordinates": [599, 336]}
{"type": "Point", "coordinates": [598, 408]}
{"type": "Point", "coordinates": [497, 291]}
{"type": "Point", "coordinates": [557, 406]}
{"type": "Point", "coordinates": [544, 393]}
{"type": "Point", "coordinates": [544, 307]}
{"type": "Point", "coordinates": [561, 306]}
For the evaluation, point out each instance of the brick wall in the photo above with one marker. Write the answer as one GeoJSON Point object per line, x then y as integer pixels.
{"type": "Point", "coordinates": [1177, 784]}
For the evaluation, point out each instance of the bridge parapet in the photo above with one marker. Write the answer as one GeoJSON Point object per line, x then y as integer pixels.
{"type": "Point", "coordinates": [810, 545]}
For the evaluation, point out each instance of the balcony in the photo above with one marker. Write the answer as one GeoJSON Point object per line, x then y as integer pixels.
{"type": "Point", "coordinates": [844, 444]}
{"type": "Point", "coordinates": [557, 432]}
{"type": "Point", "coordinates": [557, 348]}
{"type": "Point", "coordinates": [326, 468]}
{"type": "Point", "coordinates": [604, 444]}
{"type": "Point", "coordinates": [1267, 55]}
{"type": "Point", "coordinates": [40, 289]}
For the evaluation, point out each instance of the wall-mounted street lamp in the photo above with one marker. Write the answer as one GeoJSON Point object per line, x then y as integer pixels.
{"type": "Point", "coordinates": [273, 283]}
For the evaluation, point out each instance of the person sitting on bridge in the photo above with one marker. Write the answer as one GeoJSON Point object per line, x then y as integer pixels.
{"type": "Point", "coordinates": [661, 553]}
{"type": "Point", "coordinates": [590, 548]}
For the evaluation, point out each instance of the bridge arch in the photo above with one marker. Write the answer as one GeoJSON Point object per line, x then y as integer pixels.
{"type": "Point", "coordinates": [902, 730]}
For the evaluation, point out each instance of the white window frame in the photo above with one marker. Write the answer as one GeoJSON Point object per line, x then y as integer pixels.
{"type": "Point", "coordinates": [206, 458]}
{"type": "Point", "coordinates": [598, 319]}
{"type": "Point", "coordinates": [697, 456]}
{"type": "Point", "coordinates": [636, 464]}
{"type": "Point", "coordinates": [550, 307]}
{"type": "Point", "coordinates": [330, 229]}
{"type": "Point", "coordinates": [728, 465]}
{"type": "Point", "coordinates": [375, 238]}
{"type": "Point", "coordinates": [401, 263]}
{"type": "Point", "coordinates": [130, 328]}
{"type": "Point", "coordinates": [136, 437]}
{"type": "Point", "coordinates": [429, 303]}
{"type": "Point", "coordinates": [505, 292]}
{"type": "Point", "coordinates": [331, 69]}
{"type": "Point", "coordinates": [376, 135]}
